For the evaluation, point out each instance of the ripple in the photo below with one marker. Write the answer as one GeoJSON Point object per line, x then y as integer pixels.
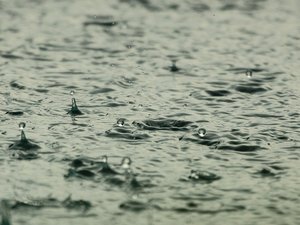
{"type": "Point", "coordinates": [210, 139]}
{"type": "Point", "coordinates": [135, 206]}
{"type": "Point", "coordinates": [14, 84]}
{"type": "Point", "coordinates": [201, 177]}
{"type": "Point", "coordinates": [243, 70]}
{"type": "Point", "coordinates": [23, 155]}
{"type": "Point", "coordinates": [15, 113]}
{"type": "Point", "coordinates": [11, 56]}
{"type": "Point", "coordinates": [68, 203]}
{"type": "Point", "coordinates": [218, 93]}
{"type": "Point", "coordinates": [24, 145]}
{"type": "Point", "coordinates": [100, 20]}
{"type": "Point", "coordinates": [123, 130]}
{"type": "Point", "coordinates": [126, 134]}
{"type": "Point", "coordinates": [101, 90]}
{"type": "Point", "coordinates": [251, 88]}
{"type": "Point", "coordinates": [208, 211]}
{"type": "Point", "coordinates": [164, 124]}
{"type": "Point", "coordinates": [125, 82]}
{"type": "Point", "coordinates": [241, 147]}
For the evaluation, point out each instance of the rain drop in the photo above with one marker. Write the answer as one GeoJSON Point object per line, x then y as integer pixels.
{"type": "Point", "coordinates": [22, 125]}
{"type": "Point", "coordinates": [249, 73]}
{"type": "Point", "coordinates": [201, 132]}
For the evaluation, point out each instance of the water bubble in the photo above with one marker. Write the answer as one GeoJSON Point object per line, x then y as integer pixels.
{"type": "Point", "coordinates": [126, 162]}
{"type": "Point", "coordinates": [22, 125]}
{"type": "Point", "coordinates": [72, 92]}
{"type": "Point", "coordinates": [249, 73]}
{"type": "Point", "coordinates": [201, 132]}
{"type": "Point", "coordinates": [121, 122]}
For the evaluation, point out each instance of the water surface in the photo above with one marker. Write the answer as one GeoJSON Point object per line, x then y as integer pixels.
{"type": "Point", "coordinates": [166, 69]}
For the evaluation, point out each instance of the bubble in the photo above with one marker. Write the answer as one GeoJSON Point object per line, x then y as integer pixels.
{"type": "Point", "coordinates": [121, 122]}
{"type": "Point", "coordinates": [72, 92]}
{"type": "Point", "coordinates": [22, 125]}
{"type": "Point", "coordinates": [201, 132]}
{"type": "Point", "coordinates": [126, 162]}
{"type": "Point", "coordinates": [249, 73]}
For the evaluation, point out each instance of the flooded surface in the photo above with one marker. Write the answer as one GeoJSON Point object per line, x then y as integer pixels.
{"type": "Point", "coordinates": [202, 96]}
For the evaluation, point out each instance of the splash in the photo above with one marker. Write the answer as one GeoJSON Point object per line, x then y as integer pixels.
{"type": "Point", "coordinates": [23, 144]}
{"type": "Point", "coordinates": [173, 67]}
{"type": "Point", "coordinates": [74, 111]}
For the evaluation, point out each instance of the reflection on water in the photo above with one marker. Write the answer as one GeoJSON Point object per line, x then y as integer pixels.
{"type": "Point", "coordinates": [184, 112]}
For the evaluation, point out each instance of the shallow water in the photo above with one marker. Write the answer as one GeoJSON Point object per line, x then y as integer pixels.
{"type": "Point", "coordinates": [166, 69]}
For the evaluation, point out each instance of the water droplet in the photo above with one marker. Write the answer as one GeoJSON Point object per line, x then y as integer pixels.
{"type": "Point", "coordinates": [126, 162]}
{"type": "Point", "coordinates": [22, 125]}
{"type": "Point", "coordinates": [104, 159]}
{"type": "Point", "coordinates": [201, 132]}
{"type": "Point", "coordinates": [121, 122]}
{"type": "Point", "coordinates": [72, 92]}
{"type": "Point", "coordinates": [249, 73]}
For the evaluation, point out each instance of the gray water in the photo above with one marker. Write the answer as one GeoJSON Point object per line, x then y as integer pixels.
{"type": "Point", "coordinates": [235, 74]}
